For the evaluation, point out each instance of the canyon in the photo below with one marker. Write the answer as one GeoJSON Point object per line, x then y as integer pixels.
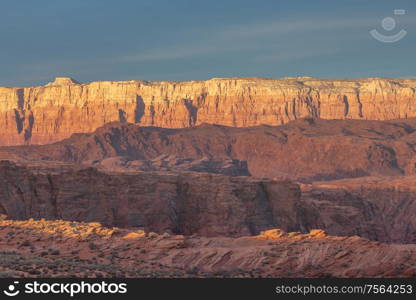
{"type": "Point", "coordinates": [237, 177]}
{"type": "Point", "coordinates": [46, 114]}
{"type": "Point", "coordinates": [180, 202]}
{"type": "Point", "coordinates": [347, 177]}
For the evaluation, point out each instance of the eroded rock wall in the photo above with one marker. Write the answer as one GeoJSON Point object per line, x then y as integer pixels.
{"type": "Point", "coordinates": [182, 203]}
{"type": "Point", "coordinates": [45, 114]}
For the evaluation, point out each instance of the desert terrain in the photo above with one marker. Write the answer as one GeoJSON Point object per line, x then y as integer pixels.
{"type": "Point", "coordinates": [237, 177]}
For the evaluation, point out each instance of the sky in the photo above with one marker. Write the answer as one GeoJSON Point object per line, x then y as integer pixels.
{"type": "Point", "coordinates": [92, 40]}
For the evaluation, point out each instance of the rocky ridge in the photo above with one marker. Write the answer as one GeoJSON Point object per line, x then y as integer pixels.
{"type": "Point", "coordinates": [45, 114]}
{"type": "Point", "coordinates": [183, 202]}
{"type": "Point", "coordinates": [305, 150]}
{"type": "Point", "coordinates": [176, 202]}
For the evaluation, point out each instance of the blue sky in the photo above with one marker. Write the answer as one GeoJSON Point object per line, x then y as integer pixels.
{"type": "Point", "coordinates": [194, 40]}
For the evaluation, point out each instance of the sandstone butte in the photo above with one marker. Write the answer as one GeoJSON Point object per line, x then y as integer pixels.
{"type": "Point", "coordinates": [45, 114]}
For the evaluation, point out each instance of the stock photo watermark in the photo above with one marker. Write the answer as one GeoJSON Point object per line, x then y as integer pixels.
{"type": "Point", "coordinates": [389, 24]}
{"type": "Point", "coordinates": [71, 289]}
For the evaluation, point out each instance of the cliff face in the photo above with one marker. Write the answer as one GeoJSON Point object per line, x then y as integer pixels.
{"type": "Point", "coordinates": [183, 203]}
{"type": "Point", "coordinates": [377, 208]}
{"type": "Point", "coordinates": [45, 114]}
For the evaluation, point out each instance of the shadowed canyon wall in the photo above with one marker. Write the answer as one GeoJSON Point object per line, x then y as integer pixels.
{"type": "Point", "coordinates": [181, 202]}
{"type": "Point", "coordinates": [45, 114]}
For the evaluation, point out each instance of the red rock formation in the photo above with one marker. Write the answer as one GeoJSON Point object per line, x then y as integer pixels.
{"type": "Point", "coordinates": [45, 114]}
{"type": "Point", "coordinates": [305, 150]}
{"type": "Point", "coordinates": [181, 202]}
{"type": "Point", "coordinates": [378, 208]}
{"type": "Point", "coordinates": [230, 167]}
{"type": "Point", "coordinates": [66, 249]}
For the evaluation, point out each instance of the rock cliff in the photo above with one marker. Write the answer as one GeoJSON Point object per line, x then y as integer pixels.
{"type": "Point", "coordinates": [44, 114]}
{"type": "Point", "coordinates": [376, 208]}
{"type": "Point", "coordinates": [180, 202]}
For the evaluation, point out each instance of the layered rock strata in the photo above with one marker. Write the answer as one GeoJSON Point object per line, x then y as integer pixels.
{"type": "Point", "coordinates": [180, 202]}
{"type": "Point", "coordinates": [45, 114]}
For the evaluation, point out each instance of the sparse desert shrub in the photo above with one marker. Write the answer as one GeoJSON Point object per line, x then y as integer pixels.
{"type": "Point", "coordinates": [92, 246]}
{"type": "Point", "coordinates": [152, 235]}
{"type": "Point", "coordinates": [8, 274]}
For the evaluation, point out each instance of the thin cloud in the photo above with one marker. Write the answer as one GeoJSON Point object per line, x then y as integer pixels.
{"type": "Point", "coordinates": [243, 37]}
{"type": "Point", "coordinates": [176, 52]}
{"type": "Point", "coordinates": [295, 54]}
{"type": "Point", "coordinates": [306, 26]}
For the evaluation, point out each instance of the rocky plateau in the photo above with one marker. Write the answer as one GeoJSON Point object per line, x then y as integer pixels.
{"type": "Point", "coordinates": [45, 114]}
{"type": "Point", "coordinates": [191, 179]}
